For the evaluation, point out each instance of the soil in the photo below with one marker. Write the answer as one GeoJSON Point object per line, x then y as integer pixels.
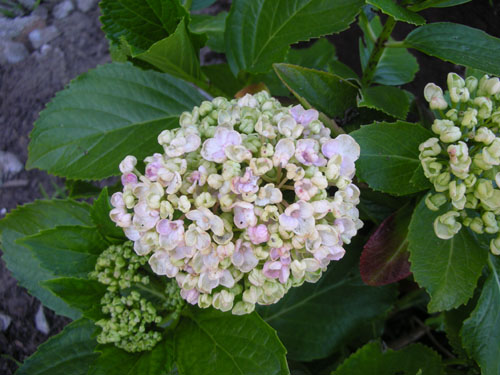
{"type": "Point", "coordinates": [26, 87]}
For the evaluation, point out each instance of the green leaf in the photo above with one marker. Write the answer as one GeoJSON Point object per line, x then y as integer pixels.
{"type": "Point", "coordinates": [220, 76]}
{"type": "Point", "coordinates": [100, 216]}
{"type": "Point", "coordinates": [447, 269]}
{"type": "Point", "coordinates": [391, 100]}
{"type": "Point", "coordinates": [81, 189]}
{"type": "Point", "coordinates": [213, 26]}
{"type": "Point", "coordinates": [210, 342]}
{"type": "Point", "coordinates": [31, 219]}
{"type": "Point", "coordinates": [104, 115]}
{"type": "Point", "coordinates": [389, 156]}
{"type": "Point", "coordinates": [436, 4]}
{"type": "Point", "coordinates": [399, 13]}
{"type": "Point", "coordinates": [396, 66]}
{"type": "Point", "coordinates": [175, 54]}
{"type": "Point", "coordinates": [458, 44]}
{"type": "Point", "coordinates": [69, 352]}
{"type": "Point", "coordinates": [321, 90]}
{"type": "Point", "coordinates": [200, 4]}
{"type": "Point", "coordinates": [84, 295]}
{"type": "Point", "coordinates": [115, 361]}
{"type": "Point", "coordinates": [140, 23]}
{"type": "Point", "coordinates": [318, 318]}
{"type": "Point", "coordinates": [342, 70]}
{"type": "Point", "coordinates": [481, 331]}
{"type": "Point", "coordinates": [413, 359]}
{"type": "Point", "coordinates": [259, 32]}
{"type": "Point", "coordinates": [318, 56]}
{"type": "Point", "coordinates": [67, 250]}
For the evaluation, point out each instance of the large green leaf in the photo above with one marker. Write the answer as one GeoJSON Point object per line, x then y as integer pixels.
{"type": "Point", "coordinates": [399, 13]}
{"type": "Point", "coordinates": [100, 216]}
{"type": "Point", "coordinates": [447, 269]}
{"type": "Point", "coordinates": [259, 32]}
{"type": "Point", "coordinates": [436, 4]}
{"type": "Point", "coordinates": [391, 100]}
{"type": "Point", "coordinates": [317, 318]}
{"type": "Point", "coordinates": [481, 332]}
{"type": "Point", "coordinates": [389, 157]}
{"type": "Point", "coordinates": [318, 56]}
{"type": "Point", "coordinates": [67, 250]}
{"type": "Point", "coordinates": [324, 91]}
{"type": "Point", "coordinates": [458, 44]}
{"type": "Point", "coordinates": [104, 115]}
{"type": "Point", "coordinates": [84, 295]}
{"type": "Point", "coordinates": [413, 359]}
{"type": "Point", "coordinates": [28, 220]}
{"type": "Point", "coordinates": [210, 342]}
{"type": "Point", "coordinates": [396, 66]}
{"type": "Point", "coordinates": [115, 361]}
{"type": "Point", "coordinates": [220, 76]}
{"type": "Point", "coordinates": [200, 4]}
{"type": "Point", "coordinates": [70, 352]}
{"type": "Point", "coordinates": [175, 54]}
{"type": "Point", "coordinates": [140, 23]}
{"type": "Point", "coordinates": [213, 26]}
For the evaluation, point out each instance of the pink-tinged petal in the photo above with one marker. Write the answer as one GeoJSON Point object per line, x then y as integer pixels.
{"type": "Point", "coordinates": [191, 295]}
{"type": "Point", "coordinates": [283, 152]}
{"type": "Point", "coordinates": [227, 279]}
{"type": "Point", "coordinates": [117, 200]}
{"type": "Point", "coordinates": [288, 223]}
{"type": "Point", "coordinates": [244, 215]}
{"type": "Point", "coordinates": [132, 233]}
{"type": "Point", "coordinates": [160, 264]}
{"type": "Point", "coordinates": [129, 179]}
{"type": "Point", "coordinates": [284, 274]}
{"type": "Point", "coordinates": [258, 234]}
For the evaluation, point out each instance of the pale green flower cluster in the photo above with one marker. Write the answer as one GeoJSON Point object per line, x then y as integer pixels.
{"type": "Point", "coordinates": [463, 161]}
{"type": "Point", "coordinates": [236, 208]}
{"type": "Point", "coordinates": [130, 317]}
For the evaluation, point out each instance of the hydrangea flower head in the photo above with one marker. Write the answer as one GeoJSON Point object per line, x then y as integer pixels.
{"type": "Point", "coordinates": [463, 160]}
{"type": "Point", "coordinates": [248, 199]}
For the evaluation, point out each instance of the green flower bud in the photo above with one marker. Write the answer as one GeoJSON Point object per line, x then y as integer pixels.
{"type": "Point", "coordinates": [205, 108]}
{"type": "Point", "coordinates": [452, 114]}
{"type": "Point", "coordinates": [442, 181]}
{"type": "Point", "coordinates": [457, 194]}
{"type": "Point", "coordinates": [484, 135]}
{"type": "Point", "coordinates": [471, 83]}
{"type": "Point", "coordinates": [434, 201]}
{"type": "Point", "coordinates": [484, 189]}
{"type": "Point", "coordinates": [446, 225]}
{"type": "Point", "coordinates": [477, 225]}
{"type": "Point", "coordinates": [432, 167]}
{"type": "Point", "coordinates": [455, 81]}
{"type": "Point", "coordinates": [495, 246]}
{"type": "Point", "coordinates": [485, 106]}
{"type": "Point", "coordinates": [490, 222]}
{"type": "Point", "coordinates": [471, 201]}
{"type": "Point", "coordinates": [470, 118]}
{"type": "Point", "coordinates": [438, 126]}
{"type": "Point", "coordinates": [430, 147]}
{"type": "Point", "coordinates": [242, 308]}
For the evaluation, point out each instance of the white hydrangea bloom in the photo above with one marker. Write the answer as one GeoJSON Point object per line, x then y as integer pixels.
{"type": "Point", "coordinates": [236, 209]}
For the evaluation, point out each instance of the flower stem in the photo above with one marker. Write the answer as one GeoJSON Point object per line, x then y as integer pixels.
{"type": "Point", "coordinates": [377, 51]}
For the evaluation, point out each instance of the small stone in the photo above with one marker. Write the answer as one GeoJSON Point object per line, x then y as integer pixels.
{"type": "Point", "coordinates": [63, 9]}
{"type": "Point", "coordinates": [41, 11]}
{"type": "Point", "coordinates": [39, 37]}
{"type": "Point", "coordinates": [11, 28]}
{"type": "Point", "coordinates": [85, 5]}
{"type": "Point", "coordinates": [9, 165]}
{"type": "Point", "coordinates": [12, 52]}
{"type": "Point", "coordinates": [41, 322]}
{"type": "Point", "coordinates": [4, 322]}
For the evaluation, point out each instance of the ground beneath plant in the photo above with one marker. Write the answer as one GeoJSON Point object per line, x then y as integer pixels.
{"type": "Point", "coordinates": [27, 86]}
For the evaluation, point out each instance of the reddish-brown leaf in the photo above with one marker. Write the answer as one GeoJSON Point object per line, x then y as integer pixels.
{"type": "Point", "coordinates": [384, 259]}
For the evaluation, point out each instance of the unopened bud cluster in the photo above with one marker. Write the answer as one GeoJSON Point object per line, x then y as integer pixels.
{"type": "Point", "coordinates": [236, 208]}
{"type": "Point", "coordinates": [463, 161]}
{"type": "Point", "coordinates": [130, 316]}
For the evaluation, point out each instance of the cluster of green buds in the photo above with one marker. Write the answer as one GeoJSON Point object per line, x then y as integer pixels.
{"type": "Point", "coordinates": [130, 318]}
{"type": "Point", "coordinates": [463, 161]}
